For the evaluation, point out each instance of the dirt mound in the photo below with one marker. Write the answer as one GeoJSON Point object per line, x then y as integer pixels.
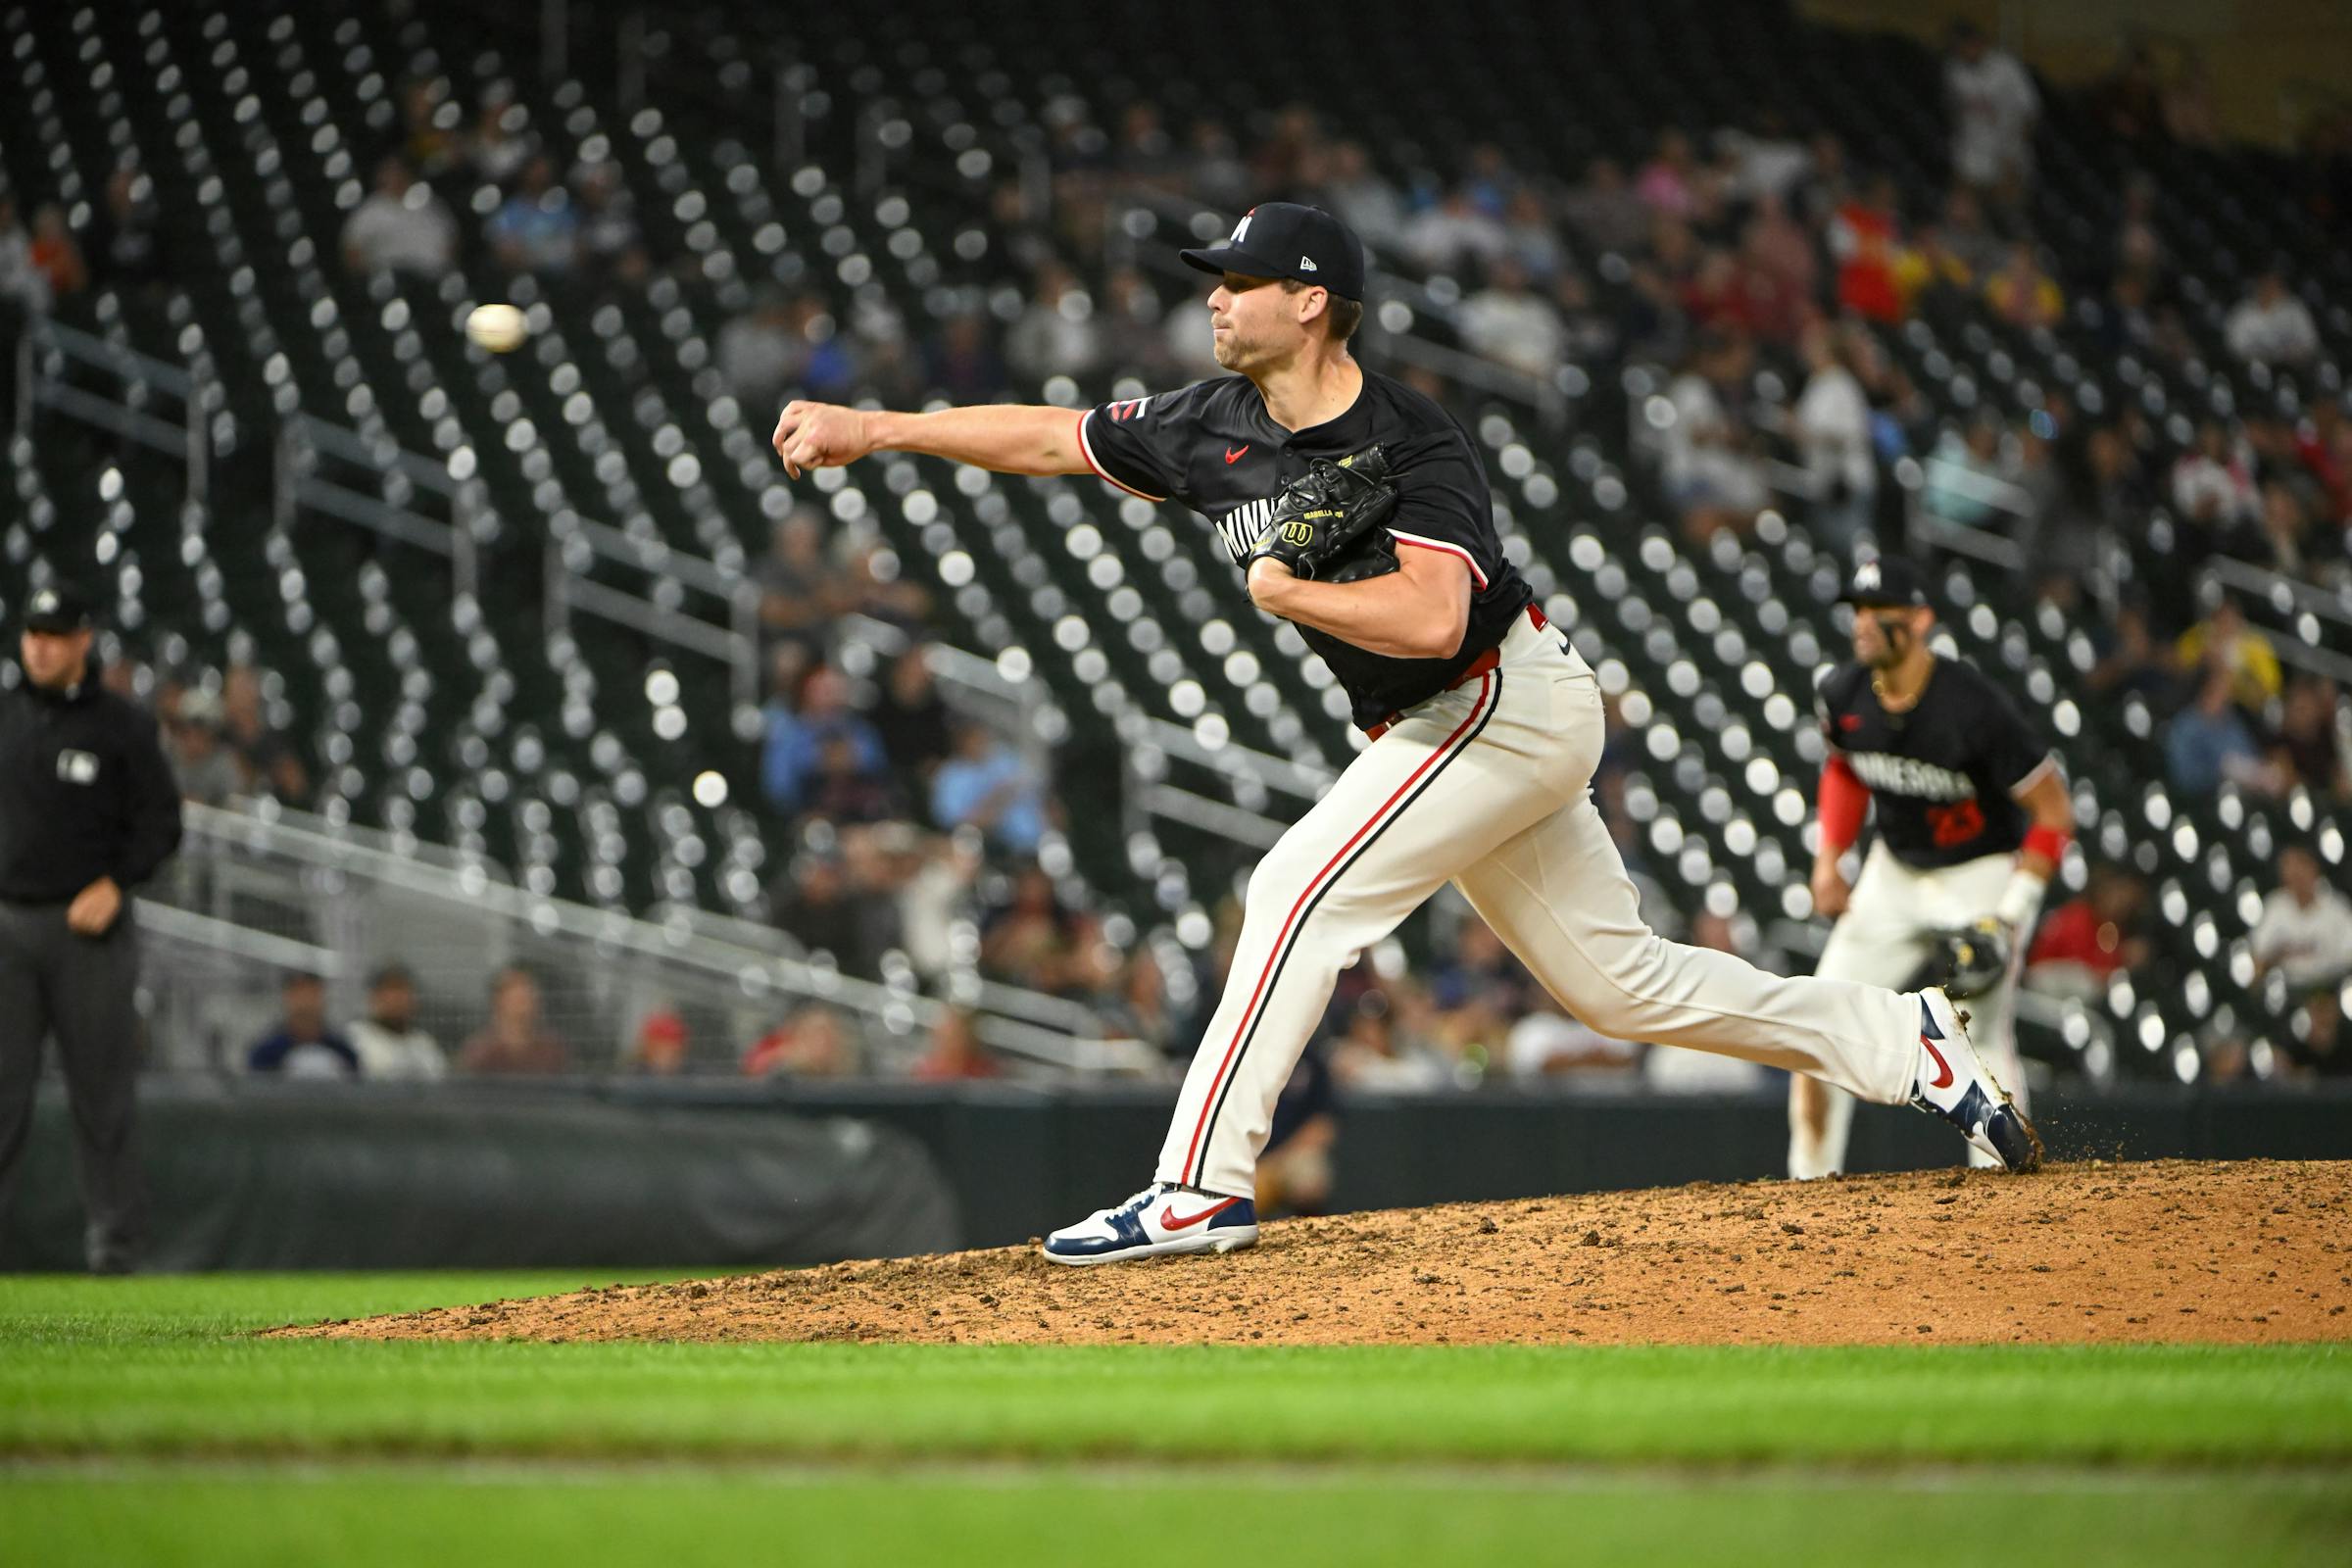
{"type": "Point", "coordinates": [2173, 1251]}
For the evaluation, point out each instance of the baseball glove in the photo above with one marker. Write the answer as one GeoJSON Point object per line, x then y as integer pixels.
{"type": "Point", "coordinates": [1327, 525]}
{"type": "Point", "coordinates": [1971, 959]}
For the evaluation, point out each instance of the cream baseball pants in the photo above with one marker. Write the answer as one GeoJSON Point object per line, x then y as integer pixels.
{"type": "Point", "coordinates": [1488, 786]}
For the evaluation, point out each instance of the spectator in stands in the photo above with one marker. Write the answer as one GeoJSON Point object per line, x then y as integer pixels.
{"type": "Point", "coordinates": [1669, 182]}
{"type": "Point", "coordinates": [987, 785]}
{"type": "Point", "coordinates": [1590, 332]}
{"type": "Point", "coordinates": [874, 586]}
{"type": "Point", "coordinates": [127, 247]}
{"type": "Point", "coordinates": [1454, 235]}
{"type": "Point", "coordinates": [1780, 248]}
{"type": "Point", "coordinates": [2223, 641]}
{"type": "Point", "coordinates": [206, 772]}
{"type": "Point", "coordinates": [23, 287]}
{"type": "Point", "coordinates": [1994, 105]}
{"type": "Point", "coordinates": [761, 352]}
{"type": "Point", "coordinates": [911, 720]}
{"type": "Point", "coordinates": [1135, 340]}
{"type": "Point", "coordinates": [388, 1043]}
{"type": "Point", "coordinates": [612, 241]}
{"type": "Point", "coordinates": [851, 786]}
{"type": "Point", "coordinates": [813, 1042]}
{"type": "Point", "coordinates": [1710, 470]}
{"type": "Point", "coordinates": [1140, 1007]}
{"type": "Point", "coordinates": [57, 254]}
{"type": "Point", "coordinates": [1509, 322]}
{"type": "Point", "coordinates": [2130, 661]}
{"type": "Point", "coordinates": [1967, 475]}
{"type": "Point", "coordinates": [1866, 237]}
{"type": "Point", "coordinates": [2083, 944]}
{"type": "Point", "coordinates": [2022, 293]}
{"type": "Point", "coordinates": [1375, 1051]}
{"type": "Point", "coordinates": [2213, 484]}
{"type": "Point", "coordinates": [501, 143]}
{"type": "Point", "coordinates": [1034, 941]}
{"type": "Point", "coordinates": [402, 227]}
{"type": "Point", "coordinates": [660, 1049]}
{"type": "Point", "coordinates": [2281, 541]}
{"type": "Point", "coordinates": [1057, 335]}
{"type": "Point", "coordinates": [515, 1040]}
{"type": "Point", "coordinates": [961, 362]}
{"type": "Point", "coordinates": [1362, 198]}
{"type": "Point", "coordinates": [2305, 932]}
{"type": "Point", "coordinates": [264, 757]}
{"type": "Point", "coordinates": [801, 592]}
{"type": "Point", "coordinates": [1532, 240]}
{"type": "Point", "coordinates": [956, 1054]}
{"type": "Point", "coordinates": [1768, 163]}
{"type": "Point", "coordinates": [2271, 326]}
{"type": "Point", "coordinates": [2314, 747]}
{"type": "Point", "coordinates": [430, 127]}
{"type": "Point", "coordinates": [537, 230]}
{"type": "Point", "coordinates": [302, 1046]}
{"type": "Point", "coordinates": [2321, 1048]}
{"type": "Point", "coordinates": [1968, 236]}
{"type": "Point", "coordinates": [2209, 742]}
{"type": "Point", "coordinates": [1604, 211]}
{"type": "Point", "coordinates": [796, 735]}
{"type": "Point", "coordinates": [831, 902]}
{"type": "Point", "coordinates": [1831, 424]}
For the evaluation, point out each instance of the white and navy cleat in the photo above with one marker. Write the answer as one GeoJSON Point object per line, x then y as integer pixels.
{"type": "Point", "coordinates": [1952, 1082]}
{"type": "Point", "coordinates": [1164, 1218]}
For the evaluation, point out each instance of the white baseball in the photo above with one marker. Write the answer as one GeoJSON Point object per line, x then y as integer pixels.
{"type": "Point", "coordinates": [500, 329]}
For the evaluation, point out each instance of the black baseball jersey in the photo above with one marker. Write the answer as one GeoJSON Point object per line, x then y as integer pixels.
{"type": "Point", "coordinates": [1945, 773]}
{"type": "Point", "coordinates": [84, 793]}
{"type": "Point", "coordinates": [1213, 447]}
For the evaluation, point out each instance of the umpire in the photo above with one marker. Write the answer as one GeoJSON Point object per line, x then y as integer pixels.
{"type": "Point", "coordinates": [88, 810]}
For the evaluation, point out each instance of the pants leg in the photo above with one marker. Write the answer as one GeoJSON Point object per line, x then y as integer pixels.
{"type": "Point", "coordinates": [24, 1030]}
{"type": "Point", "coordinates": [1558, 894]}
{"type": "Point", "coordinates": [1882, 939]}
{"type": "Point", "coordinates": [1879, 940]}
{"type": "Point", "coordinates": [93, 1009]}
{"type": "Point", "coordinates": [1465, 771]}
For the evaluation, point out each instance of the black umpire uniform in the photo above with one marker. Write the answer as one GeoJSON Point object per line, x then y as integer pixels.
{"type": "Point", "coordinates": [88, 808]}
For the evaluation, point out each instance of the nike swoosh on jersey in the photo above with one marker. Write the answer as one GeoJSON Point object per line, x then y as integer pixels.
{"type": "Point", "coordinates": [1235, 454]}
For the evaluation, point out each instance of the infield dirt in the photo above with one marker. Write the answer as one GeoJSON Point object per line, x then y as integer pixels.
{"type": "Point", "coordinates": [2172, 1251]}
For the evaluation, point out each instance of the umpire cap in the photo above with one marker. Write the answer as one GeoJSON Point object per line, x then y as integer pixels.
{"type": "Point", "coordinates": [1282, 240]}
{"type": "Point", "coordinates": [60, 608]}
{"type": "Point", "coordinates": [1888, 580]}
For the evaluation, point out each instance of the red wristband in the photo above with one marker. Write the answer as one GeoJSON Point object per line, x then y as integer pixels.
{"type": "Point", "coordinates": [2046, 842]}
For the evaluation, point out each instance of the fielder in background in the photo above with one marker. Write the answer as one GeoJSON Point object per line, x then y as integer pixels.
{"type": "Point", "coordinates": [1358, 511]}
{"type": "Point", "coordinates": [1973, 819]}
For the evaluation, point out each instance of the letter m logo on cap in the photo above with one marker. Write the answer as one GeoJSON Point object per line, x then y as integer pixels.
{"type": "Point", "coordinates": [1866, 576]}
{"type": "Point", "coordinates": [1241, 231]}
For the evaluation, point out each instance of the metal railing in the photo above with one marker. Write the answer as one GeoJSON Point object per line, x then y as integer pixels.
{"type": "Point", "coordinates": [304, 439]}
{"type": "Point", "coordinates": [2293, 599]}
{"type": "Point", "coordinates": [44, 349]}
{"type": "Point", "coordinates": [256, 893]}
{"type": "Point", "coordinates": [574, 547]}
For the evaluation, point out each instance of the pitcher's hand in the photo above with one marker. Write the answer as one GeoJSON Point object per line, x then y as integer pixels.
{"type": "Point", "coordinates": [820, 435]}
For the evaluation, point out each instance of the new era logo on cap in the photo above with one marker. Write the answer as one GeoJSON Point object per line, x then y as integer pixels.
{"type": "Point", "coordinates": [1307, 263]}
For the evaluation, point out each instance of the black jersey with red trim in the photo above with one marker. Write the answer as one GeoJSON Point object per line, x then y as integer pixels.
{"type": "Point", "coordinates": [1213, 447]}
{"type": "Point", "coordinates": [1945, 773]}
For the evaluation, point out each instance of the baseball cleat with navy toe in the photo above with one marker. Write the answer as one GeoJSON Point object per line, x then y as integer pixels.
{"type": "Point", "coordinates": [1953, 1082]}
{"type": "Point", "coordinates": [1164, 1218]}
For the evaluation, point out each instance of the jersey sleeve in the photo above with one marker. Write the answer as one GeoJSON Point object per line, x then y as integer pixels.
{"type": "Point", "coordinates": [2014, 752]}
{"type": "Point", "coordinates": [1138, 444]}
{"type": "Point", "coordinates": [1443, 505]}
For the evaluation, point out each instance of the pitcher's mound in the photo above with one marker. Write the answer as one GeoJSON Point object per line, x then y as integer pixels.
{"type": "Point", "coordinates": [2170, 1251]}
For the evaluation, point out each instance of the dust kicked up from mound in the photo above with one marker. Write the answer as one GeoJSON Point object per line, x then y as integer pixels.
{"type": "Point", "coordinates": [2173, 1250]}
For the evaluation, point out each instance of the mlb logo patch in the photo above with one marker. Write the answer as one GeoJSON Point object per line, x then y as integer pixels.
{"type": "Point", "coordinates": [78, 768]}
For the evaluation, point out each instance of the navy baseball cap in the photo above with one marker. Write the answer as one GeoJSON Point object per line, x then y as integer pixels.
{"type": "Point", "coordinates": [1282, 240]}
{"type": "Point", "coordinates": [1888, 580]}
{"type": "Point", "coordinates": [59, 608]}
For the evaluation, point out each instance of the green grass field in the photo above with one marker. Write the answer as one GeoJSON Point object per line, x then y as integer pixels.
{"type": "Point", "coordinates": [139, 1422]}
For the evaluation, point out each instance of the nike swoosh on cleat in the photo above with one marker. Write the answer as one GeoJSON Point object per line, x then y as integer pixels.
{"type": "Point", "coordinates": [1169, 1221]}
{"type": "Point", "coordinates": [1942, 1066]}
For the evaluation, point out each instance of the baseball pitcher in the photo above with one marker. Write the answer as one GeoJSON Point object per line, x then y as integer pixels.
{"type": "Point", "coordinates": [1358, 511]}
